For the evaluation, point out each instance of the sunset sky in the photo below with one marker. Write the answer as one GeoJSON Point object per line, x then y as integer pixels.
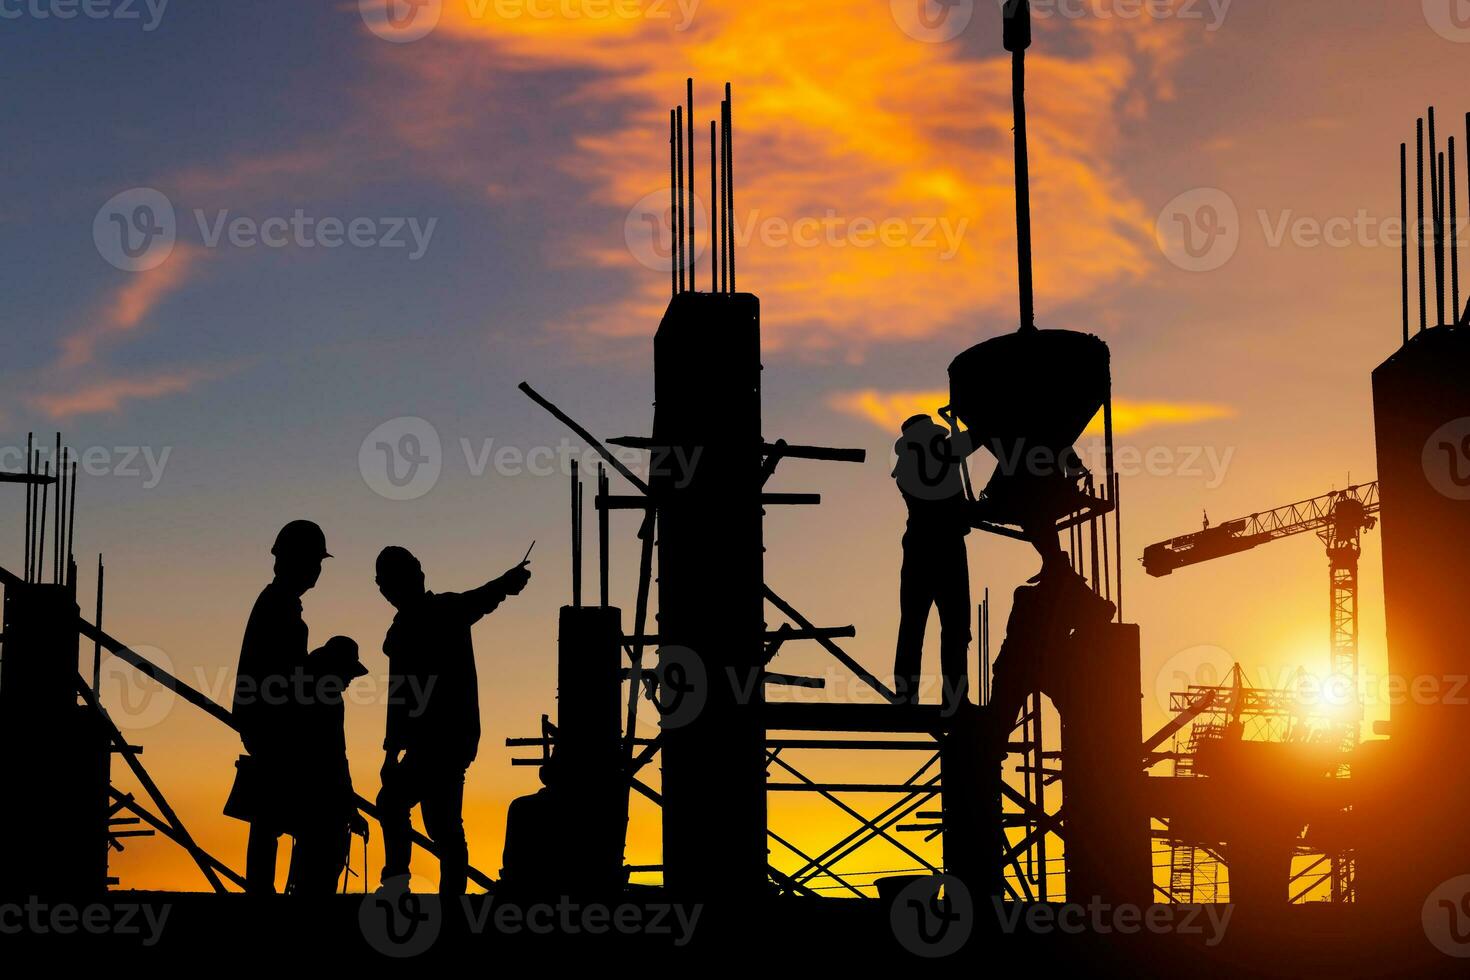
{"type": "Point", "coordinates": [1215, 194]}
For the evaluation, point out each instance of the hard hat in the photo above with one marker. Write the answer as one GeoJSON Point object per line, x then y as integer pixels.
{"type": "Point", "coordinates": [301, 539]}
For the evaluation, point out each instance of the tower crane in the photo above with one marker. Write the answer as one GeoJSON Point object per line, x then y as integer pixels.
{"type": "Point", "coordinates": [1338, 518]}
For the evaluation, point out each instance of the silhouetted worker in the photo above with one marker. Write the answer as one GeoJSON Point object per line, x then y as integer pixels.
{"type": "Point", "coordinates": [936, 568]}
{"type": "Point", "coordinates": [326, 808]}
{"type": "Point", "coordinates": [537, 828]}
{"type": "Point", "coordinates": [1054, 604]}
{"type": "Point", "coordinates": [433, 711]}
{"type": "Point", "coordinates": [266, 707]}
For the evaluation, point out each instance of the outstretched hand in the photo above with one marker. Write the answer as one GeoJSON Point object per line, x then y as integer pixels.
{"type": "Point", "coordinates": [515, 580]}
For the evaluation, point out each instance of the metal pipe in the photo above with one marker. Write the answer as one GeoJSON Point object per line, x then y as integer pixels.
{"type": "Point", "coordinates": [576, 537]}
{"type": "Point", "coordinates": [1017, 35]}
{"type": "Point", "coordinates": [41, 532]}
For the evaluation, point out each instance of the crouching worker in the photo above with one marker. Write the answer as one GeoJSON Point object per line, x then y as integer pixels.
{"type": "Point", "coordinates": [327, 814]}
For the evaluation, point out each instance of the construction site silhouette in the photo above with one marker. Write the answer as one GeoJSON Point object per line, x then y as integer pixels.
{"type": "Point", "coordinates": [1051, 801]}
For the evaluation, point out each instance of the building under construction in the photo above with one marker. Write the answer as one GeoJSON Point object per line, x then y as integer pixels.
{"type": "Point", "coordinates": [1043, 788]}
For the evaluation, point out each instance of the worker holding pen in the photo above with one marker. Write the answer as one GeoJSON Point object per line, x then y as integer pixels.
{"type": "Point", "coordinates": [433, 711]}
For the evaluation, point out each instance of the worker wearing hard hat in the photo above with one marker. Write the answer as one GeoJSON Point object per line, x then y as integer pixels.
{"type": "Point", "coordinates": [268, 704]}
{"type": "Point", "coordinates": [936, 572]}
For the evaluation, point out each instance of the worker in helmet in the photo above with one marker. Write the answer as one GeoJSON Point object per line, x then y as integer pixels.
{"type": "Point", "coordinates": [268, 701]}
{"type": "Point", "coordinates": [325, 812]}
{"type": "Point", "coordinates": [936, 571]}
{"type": "Point", "coordinates": [433, 711]}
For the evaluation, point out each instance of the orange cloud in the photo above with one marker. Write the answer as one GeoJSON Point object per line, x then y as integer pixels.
{"type": "Point", "coordinates": [844, 121]}
{"type": "Point", "coordinates": [129, 305]}
{"type": "Point", "coordinates": [109, 395]}
{"type": "Point", "coordinates": [889, 409]}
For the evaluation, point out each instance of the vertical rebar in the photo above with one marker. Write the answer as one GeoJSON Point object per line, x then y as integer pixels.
{"type": "Point", "coordinates": [724, 198]}
{"type": "Point", "coordinates": [602, 537]}
{"type": "Point", "coordinates": [71, 520]}
{"type": "Point", "coordinates": [714, 200]}
{"type": "Point", "coordinates": [56, 532]}
{"type": "Point", "coordinates": [1439, 280]}
{"type": "Point", "coordinates": [576, 537]}
{"type": "Point", "coordinates": [1404, 226]}
{"type": "Point", "coordinates": [1454, 205]}
{"type": "Point", "coordinates": [1419, 238]}
{"type": "Point", "coordinates": [1118, 536]}
{"type": "Point", "coordinates": [678, 219]}
{"type": "Point", "coordinates": [41, 531]}
{"type": "Point", "coordinates": [673, 213]}
{"type": "Point", "coordinates": [97, 644]}
{"type": "Point", "coordinates": [30, 508]}
{"type": "Point", "coordinates": [693, 250]}
{"type": "Point", "coordinates": [730, 177]}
